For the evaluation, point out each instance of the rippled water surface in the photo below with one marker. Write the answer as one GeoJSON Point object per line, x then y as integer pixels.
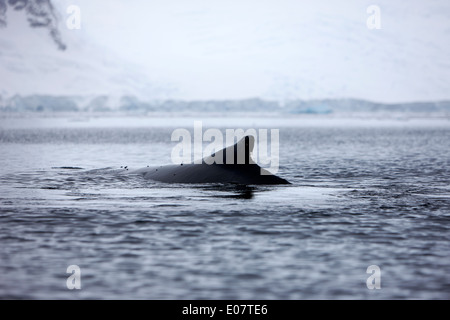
{"type": "Point", "coordinates": [363, 193]}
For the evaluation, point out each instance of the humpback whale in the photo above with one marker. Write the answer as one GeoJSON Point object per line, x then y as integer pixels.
{"type": "Point", "coordinates": [233, 164]}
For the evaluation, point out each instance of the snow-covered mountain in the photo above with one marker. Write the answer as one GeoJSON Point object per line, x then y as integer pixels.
{"type": "Point", "coordinates": [280, 51]}
{"type": "Point", "coordinates": [31, 64]}
{"type": "Point", "coordinates": [131, 104]}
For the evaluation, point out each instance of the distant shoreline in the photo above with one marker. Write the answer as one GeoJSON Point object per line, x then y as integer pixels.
{"type": "Point", "coordinates": [131, 104]}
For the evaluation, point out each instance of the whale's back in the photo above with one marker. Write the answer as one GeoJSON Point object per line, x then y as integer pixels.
{"type": "Point", "coordinates": [233, 164]}
{"type": "Point", "coordinates": [211, 173]}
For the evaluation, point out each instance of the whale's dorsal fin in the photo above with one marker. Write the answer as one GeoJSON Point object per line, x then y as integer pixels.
{"type": "Point", "coordinates": [239, 153]}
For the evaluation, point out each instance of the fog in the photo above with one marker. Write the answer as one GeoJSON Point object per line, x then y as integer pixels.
{"type": "Point", "coordinates": [278, 50]}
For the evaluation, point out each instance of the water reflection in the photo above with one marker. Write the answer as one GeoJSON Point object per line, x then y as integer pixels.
{"type": "Point", "coordinates": [234, 191]}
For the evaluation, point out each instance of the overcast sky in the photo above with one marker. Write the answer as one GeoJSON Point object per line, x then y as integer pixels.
{"type": "Point", "coordinates": [282, 49]}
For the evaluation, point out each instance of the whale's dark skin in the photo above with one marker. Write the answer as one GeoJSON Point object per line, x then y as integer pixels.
{"type": "Point", "coordinates": [236, 166]}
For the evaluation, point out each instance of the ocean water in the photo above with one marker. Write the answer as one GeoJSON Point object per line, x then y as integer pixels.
{"type": "Point", "coordinates": [364, 192]}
